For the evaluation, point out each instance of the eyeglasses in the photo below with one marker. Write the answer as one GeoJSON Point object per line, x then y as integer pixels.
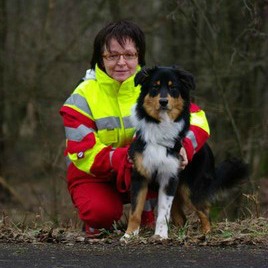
{"type": "Point", "coordinates": [116, 57]}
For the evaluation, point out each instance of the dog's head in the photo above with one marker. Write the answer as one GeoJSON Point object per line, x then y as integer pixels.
{"type": "Point", "coordinates": [164, 90]}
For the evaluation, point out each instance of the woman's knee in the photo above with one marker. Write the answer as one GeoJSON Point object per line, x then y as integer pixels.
{"type": "Point", "coordinates": [100, 215]}
{"type": "Point", "coordinates": [99, 205]}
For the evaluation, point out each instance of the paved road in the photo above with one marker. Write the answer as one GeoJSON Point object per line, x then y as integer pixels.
{"type": "Point", "coordinates": [102, 256]}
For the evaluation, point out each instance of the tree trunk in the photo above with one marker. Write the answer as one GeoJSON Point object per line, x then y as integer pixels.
{"type": "Point", "coordinates": [3, 28]}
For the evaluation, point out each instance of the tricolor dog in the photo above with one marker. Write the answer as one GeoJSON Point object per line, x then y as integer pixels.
{"type": "Point", "coordinates": [161, 118]}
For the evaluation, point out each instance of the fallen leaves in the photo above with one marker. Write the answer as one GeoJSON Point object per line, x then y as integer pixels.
{"type": "Point", "coordinates": [244, 232]}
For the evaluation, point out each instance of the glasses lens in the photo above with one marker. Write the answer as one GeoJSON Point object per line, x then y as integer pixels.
{"type": "Point", "coordinates": [130, 56]}
{"type": "Point", "coordinates": [116, 57]}
{"type": "Point", "coordinates": [112, 57]}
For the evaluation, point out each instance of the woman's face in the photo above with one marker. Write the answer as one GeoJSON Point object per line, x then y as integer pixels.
{"type": "Point", "coordinates": [120, 62]}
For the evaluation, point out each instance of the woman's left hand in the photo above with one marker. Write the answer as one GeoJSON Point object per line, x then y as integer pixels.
{"type": "Point", "coordinates": [184, 158]}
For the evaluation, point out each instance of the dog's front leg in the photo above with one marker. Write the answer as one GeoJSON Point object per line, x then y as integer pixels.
{"type": "Point", "coordinates": [139, 189]}
{"type": "Point", "coordinates": [165, 199]}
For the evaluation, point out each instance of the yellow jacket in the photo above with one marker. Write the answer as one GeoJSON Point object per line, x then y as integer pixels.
{"type": "Point", "coordinates": [97, 120]}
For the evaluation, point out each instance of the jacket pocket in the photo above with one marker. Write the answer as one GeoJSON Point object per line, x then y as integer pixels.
{"type": "Point", "coordinates": [108, 136]}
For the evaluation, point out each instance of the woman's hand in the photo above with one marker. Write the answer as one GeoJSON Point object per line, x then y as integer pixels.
{"type": "Point", "coordinates": [184, 158]}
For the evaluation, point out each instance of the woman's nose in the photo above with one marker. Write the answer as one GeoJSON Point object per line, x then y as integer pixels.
{"type": "Point", "coordinates": [121, 60]}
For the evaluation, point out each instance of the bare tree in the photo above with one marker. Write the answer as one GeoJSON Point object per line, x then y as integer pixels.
{"type": "Point", "coordinates": [3, 29]}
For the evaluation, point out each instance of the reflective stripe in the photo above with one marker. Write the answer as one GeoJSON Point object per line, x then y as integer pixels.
{"type": "Point", "coordinates": [127, 122]}
{"type": "Point", "coordinates": [111, 156]}
{"type": "Point", "coordinates": [190, 135]}
{"type": "Point", "coordinates": [77, 134]}
{"type": "Point", "coordinates": [108, 123]}
{"type": "Point", "coordinates": [80, 102]}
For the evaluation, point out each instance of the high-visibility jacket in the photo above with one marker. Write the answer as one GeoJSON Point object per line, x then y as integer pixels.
{"type": "Point", "coordinates": [198, 132]}
{"type": "Point", "coordinates": [97, 119]}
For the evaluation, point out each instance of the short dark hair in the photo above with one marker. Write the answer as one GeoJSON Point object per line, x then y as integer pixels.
{"type": "Point", "coordinates": [120, 30]}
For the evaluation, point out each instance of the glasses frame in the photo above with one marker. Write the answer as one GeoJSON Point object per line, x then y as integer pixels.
{"type": "Point", "coordinates": [116, 56]}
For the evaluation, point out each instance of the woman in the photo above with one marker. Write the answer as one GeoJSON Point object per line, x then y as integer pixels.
{"type": "Point", "coordinates": [98, 130]}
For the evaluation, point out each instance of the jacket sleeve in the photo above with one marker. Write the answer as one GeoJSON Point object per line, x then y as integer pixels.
{"type": "Point", "coordinates": [198, 132]}
{"type": "Point", "coordinates": [83, 146]}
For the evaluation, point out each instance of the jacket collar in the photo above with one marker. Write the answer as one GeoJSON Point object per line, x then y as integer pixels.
{"type": "Point", "coordinates": [117, 87]}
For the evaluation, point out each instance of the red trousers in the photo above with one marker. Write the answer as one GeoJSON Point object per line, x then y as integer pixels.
{"type": "Point", "coordinates": [99, 204]}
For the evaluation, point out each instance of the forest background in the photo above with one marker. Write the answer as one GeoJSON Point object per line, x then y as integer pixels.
{"type": "Point", "coordinates": [45, 48]}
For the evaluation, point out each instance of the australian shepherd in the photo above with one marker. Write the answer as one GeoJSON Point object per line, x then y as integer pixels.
{"type": "Point", "coordinates": [162, 118]}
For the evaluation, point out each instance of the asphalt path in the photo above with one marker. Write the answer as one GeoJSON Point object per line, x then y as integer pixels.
{"type": "Point", "coordinates": [87, 255]}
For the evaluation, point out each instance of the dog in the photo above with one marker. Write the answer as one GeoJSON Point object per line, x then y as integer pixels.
{"type": "Point", "coordinates": [161, 117]}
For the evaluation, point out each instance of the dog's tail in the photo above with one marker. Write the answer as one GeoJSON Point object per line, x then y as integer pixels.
{"type": "Point", "coordinates": [229, 174]}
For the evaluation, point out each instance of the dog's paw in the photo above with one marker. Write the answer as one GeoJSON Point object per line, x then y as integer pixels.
{"type": "Point", "coordinates": [206, 229]}
{"type": "Point", "coordinates": [157, 239]}
{"type": "Point", "coordinates": [126, 238]}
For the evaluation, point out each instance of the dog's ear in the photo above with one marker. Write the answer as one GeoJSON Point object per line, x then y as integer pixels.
{"type": "Point", "coordinates": [186, 78]}
{"type": "Point", "coordinates": [142, 76]}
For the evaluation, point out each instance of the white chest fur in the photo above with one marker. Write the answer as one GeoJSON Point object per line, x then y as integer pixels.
{"type": "Point", "coordinates": [158, 138]}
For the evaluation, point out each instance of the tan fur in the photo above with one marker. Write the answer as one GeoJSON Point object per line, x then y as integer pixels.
{"type": "Point", "coordinates": [151, 106]}
{"type": "Point", "coordinates": [182, 200]}
{"type": "Point", "coordinates": [174, 107]}
{"type": "Point", "coordinates": [204, 220]}
{"type": "Point", "coordinates": [139, 165]}
{"type": "Point", "coordinates": [135, 216]}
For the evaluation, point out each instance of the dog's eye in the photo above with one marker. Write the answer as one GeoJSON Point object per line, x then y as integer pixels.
{"type": "Point", "coordinates": [172, 88]}
{"type": "Point", "coordinates": [155, 86]}
{"type": "Point", "coordinates": [154, 90]}
{"type": "Point", "coordinates": [174, 91]}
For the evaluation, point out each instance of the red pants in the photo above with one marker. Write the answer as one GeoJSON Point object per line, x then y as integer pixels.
{"type": "Point", "coordinates": [99, 204]}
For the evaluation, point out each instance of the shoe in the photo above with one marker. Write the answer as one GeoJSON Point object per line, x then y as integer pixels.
{"type": "Point", "coordinates": [92, 232]}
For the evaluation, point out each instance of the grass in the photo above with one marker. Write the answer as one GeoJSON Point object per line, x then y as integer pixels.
{"type": "Point", "coordinates": [37, 225]}
{"type": "Point", "coordinates": [252, 231]}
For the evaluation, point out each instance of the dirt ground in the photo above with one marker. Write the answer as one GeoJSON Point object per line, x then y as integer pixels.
{"type": "Point", "coordinates": [110, 255]}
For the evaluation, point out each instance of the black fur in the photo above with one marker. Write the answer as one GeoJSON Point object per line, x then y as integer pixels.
{"type": "Point", "coordinates": [205, 180]}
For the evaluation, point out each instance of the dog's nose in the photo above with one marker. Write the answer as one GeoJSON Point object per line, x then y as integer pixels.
{"type": "Point", "coordinates": [163, 102]}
